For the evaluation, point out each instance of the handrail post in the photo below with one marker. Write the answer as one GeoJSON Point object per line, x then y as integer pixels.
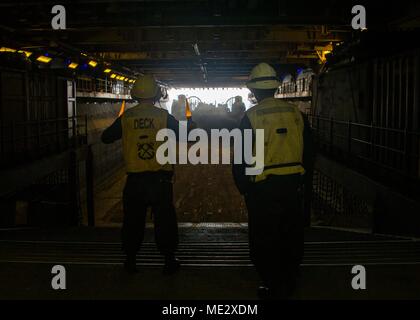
{"type": "Point", "coordinates": [90, 200]}
{"type": "Point", "coordinates": [73, 129]}
{"type": "Point", "coordinates": [372, 141]}
{"type": "Point", "coordinates": [57, 134]}
{"type": "Point", "coordinates": [349, 137]}
{"type": "Point", "coordinates": [2, 141]}
{"type": "Point", "coordinates": [331, 134]}
{"type": "Point", "coordinates": [406, 151]}
{"type": "Point", "coordinates": [317, 124]}
{"type": "Point", "coordinates": [74, 187]}
{"type": "Point", "coordinates": [86, 129]}
{"type": "Point", "coordinates": [38, 135]}
{"type": "Point", "coordinates": [12, 140]}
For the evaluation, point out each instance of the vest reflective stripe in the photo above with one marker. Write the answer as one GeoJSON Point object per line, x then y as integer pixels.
{"type": "Point", "coordinates": [283, 137]}
{"type": "Point", "coordinates": [140, 125]}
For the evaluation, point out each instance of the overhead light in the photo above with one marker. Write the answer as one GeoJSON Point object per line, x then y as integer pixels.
{"type": "Point", "coordinates": [93, 63]}
{"type": "Point", "coordinates": [125, 79]}
{"type": "Point", "coordinates": [27, 53]}
{"type": "Point", "coordinates": [113, 76]}
{"type": "Point", "coordinates": [44, 59]}
{"type": "Point", "coordinates": [5, 49]}
{"type": "Point", "coordinates": [107, 70]}
{"type": "Point", "coordinates": [73, 65]}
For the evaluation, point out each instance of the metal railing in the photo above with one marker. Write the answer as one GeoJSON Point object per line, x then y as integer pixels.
{"type": "Point", "coordinates": [391, 149]}
{"type": "Point", "coordinates": [335, 204]}
{"type": "Point", "coordinates": [102, 85]}
{"type": "Point", "coordinates": [26, 141]}
{"type": "Point", "coordinates": [301, 88]}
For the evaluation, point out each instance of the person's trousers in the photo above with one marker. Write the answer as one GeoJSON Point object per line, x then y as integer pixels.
{"type": "Point", "coordinates": [144, 190]}
{"type": "Point", "coordinates": [275, 221]}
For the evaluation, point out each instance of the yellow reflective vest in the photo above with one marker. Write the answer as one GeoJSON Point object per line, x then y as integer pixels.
{"type": "Point", "coordinates": [283, 137]}
{"type": "Point", "coordinates": [140, 125]}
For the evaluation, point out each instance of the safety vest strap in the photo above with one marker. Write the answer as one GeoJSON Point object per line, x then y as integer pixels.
{"type": "Point", "coordinates": [284, 165]}
{"type": "Point", "coordinates": [279, 171]}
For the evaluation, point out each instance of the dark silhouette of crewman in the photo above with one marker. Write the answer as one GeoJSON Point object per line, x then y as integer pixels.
{"type": "Point", "coordinates": [274, 197]}
{"type": "Point", "coordinates": [149, 183]}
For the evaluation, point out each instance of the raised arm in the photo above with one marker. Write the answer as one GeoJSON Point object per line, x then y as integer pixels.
{"type": "Point", "coordinates": [113, 132]}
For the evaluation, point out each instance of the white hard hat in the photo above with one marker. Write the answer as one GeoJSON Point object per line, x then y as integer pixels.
{"type": "Point", "coordinates": [263, 76]}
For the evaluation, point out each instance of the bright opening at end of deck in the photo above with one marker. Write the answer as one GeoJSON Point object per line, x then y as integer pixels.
{"type": "Point", "coordinates": [213, 96]}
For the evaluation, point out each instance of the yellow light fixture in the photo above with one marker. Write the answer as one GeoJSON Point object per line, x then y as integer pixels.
{"type": "Point", "coordinates": [44, 59]}
{"type": "Point", "coordinates": [93, 63]}
{"type": "Point", "coordinates": [5, 49]}
{"type": "Point", "coordinates": [73, 65]}
{"type": "Point", "coordinates": [113, 76]}
{"type": "Point", "coordinates": [107, 70]}
{"type": "Point", "coordinates": [125, 79]}
{"type": "Point", "coordinates": [322, 52]}
{"type": "Point", "coordinates": [27, 53]}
